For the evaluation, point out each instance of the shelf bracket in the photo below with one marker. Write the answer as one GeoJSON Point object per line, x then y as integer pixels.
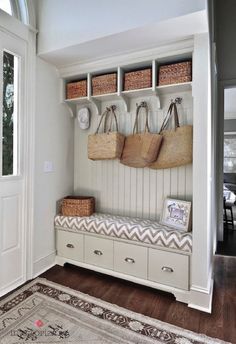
{"type": "Point", "coordinates": [71, 108]}
{"type": "Point", "coordinates": [126, 102]}
{"type": "Point", "coordinates": [97, 104]}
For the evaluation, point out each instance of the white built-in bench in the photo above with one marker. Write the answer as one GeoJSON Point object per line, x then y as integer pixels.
{"type": "Point", "coordinates": [142, 251]}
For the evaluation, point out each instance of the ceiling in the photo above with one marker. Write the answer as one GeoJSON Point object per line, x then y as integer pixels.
{"type": "Point", "coordinates": [146, 37]}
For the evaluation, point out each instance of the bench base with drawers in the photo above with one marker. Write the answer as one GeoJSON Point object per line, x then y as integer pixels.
{"type": "Point", "coordinates": [156, 266]}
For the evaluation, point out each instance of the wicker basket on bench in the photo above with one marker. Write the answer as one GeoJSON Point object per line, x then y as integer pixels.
{"type": "Point", "coordinates": [78, 206]}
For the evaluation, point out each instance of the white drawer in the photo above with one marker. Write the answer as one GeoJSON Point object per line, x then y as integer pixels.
{"type": "Point", "coordinates": [70, 245]}
{"type": "Point", "coordinates": [130, 259]}
{"type": "Point", "coordinates": [98, 252]}
{"type": "Point", "coordinates": [169, 268]}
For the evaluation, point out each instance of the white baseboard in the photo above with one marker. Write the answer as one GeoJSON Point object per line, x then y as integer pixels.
{"type": "Point", "coordinates": [44, 263]}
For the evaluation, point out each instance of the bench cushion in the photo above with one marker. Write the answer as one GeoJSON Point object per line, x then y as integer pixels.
{"type": "Point", "coordinates": [147, 231]}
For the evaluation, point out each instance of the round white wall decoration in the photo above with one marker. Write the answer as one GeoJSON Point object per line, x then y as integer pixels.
{"type": "Point", "coordinates": [83, 117]}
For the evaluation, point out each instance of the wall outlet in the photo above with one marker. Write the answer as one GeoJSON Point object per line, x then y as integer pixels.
{"type": "Point", "coordinates": [48, 166]}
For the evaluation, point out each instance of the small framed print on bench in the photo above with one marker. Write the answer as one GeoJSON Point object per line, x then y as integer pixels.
{"type": "Point", "coordinates": [176, 214]}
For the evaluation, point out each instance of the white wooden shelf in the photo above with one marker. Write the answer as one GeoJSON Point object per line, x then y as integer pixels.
{"type": "Point", "coordinates": [143, 92]}
{"type": "Point", "coordinates": [174, 88]}
{"type": "Point", "coordinates": [125, 96]}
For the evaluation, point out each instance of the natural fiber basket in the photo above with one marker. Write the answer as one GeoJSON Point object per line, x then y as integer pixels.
{"type": "Point", "coordinates": [138, 79]}
{"type": "Point", "coordinates": [175, 73]}
{"type": "Point", "coordinates": [104, 84]}
{"type": "Point", "coordinates": [76, 89]}
{"type": "Point", "coordinates": [78, 206]}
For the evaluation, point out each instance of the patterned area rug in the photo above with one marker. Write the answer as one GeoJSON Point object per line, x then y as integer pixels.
{"type": "Point", "coordinates": [45, 312]}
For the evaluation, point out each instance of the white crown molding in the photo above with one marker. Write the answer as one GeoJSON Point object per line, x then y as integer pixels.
{"type": "Point", "coordinates": [177, 48]}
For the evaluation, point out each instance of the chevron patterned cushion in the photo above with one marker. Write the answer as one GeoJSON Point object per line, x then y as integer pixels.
{"type": "Point", "coordinates": [147, 231]}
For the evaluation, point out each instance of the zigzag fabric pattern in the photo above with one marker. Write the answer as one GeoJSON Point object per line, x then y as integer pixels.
{"type": "Point", "coordinates": [147, 231]}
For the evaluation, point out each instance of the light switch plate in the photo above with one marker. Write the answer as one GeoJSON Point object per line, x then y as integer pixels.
{"type": "Point", "coordinates": [48, 166]}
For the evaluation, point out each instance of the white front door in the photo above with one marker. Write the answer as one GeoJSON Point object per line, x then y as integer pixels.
{"type": "Point", "coordinates": [12, 179]}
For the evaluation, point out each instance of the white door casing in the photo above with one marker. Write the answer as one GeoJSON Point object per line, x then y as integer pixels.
{"type": "Point", "coordinates": [12, 229]}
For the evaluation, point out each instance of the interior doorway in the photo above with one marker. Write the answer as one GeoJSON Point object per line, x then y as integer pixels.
{"type": "Point", "coordinates": [227, 246]}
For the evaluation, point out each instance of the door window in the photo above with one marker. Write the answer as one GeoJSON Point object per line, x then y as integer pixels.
{"type": "Point", "coordinates": [10, 115]}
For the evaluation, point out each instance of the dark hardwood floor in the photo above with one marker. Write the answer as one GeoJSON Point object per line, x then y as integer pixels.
{"type": "Point", "coordinates": [159, 305]}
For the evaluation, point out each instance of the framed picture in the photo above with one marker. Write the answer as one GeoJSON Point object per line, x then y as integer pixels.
{"type": "Point", "coordinates": [176, 214]}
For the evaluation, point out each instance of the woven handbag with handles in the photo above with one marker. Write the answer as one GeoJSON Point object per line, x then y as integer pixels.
{"type": "Point", "coordinates": [107, 145]}
{"type": "Point", "coordinates": [141, 148]}
{"type": "Point", "coordinates": [177, 144]}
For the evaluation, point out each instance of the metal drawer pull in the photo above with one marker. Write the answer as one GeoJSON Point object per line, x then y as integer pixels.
{"type": "Point", "coordinates": [130, 260]}
{"type": "Point", "coordinates": [97, 252]}
{"type": "Point", "coordinates": [167, 269]}
{"type": "Point", "coordinates": [70, 246]}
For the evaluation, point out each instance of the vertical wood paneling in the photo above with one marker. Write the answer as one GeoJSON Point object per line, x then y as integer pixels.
{"type": "Point", "coordinates": [123, 190]}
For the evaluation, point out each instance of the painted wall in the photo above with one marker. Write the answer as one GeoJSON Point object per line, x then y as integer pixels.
{"type": "Point", "coordinates": [129, 191]}
{"type": "Point", "coordinates": [225, 35]}
{"type": "Point", "coordinates": [53, 142]}
{"type": "Point", "coordinates": [91, 19]}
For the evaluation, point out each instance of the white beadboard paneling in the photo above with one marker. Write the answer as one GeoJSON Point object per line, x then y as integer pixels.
{"type": "Point", "coordinates": [129, 191]}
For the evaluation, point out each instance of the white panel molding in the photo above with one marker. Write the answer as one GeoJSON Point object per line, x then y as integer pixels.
{"type": "Point", "coordinates": [127, 191]}
{"type": "Point", "coordinates": [178, 48]}
{"type": "Point", "coordinates": [44, 263]}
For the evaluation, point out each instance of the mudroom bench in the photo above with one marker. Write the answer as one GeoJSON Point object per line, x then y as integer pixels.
{"type": "Point", "coordinates": [141, 251]}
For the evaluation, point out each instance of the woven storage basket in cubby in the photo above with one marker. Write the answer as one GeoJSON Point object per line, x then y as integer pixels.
{"type": "Point", "coordinates": [138, 79]}
{"type": "Point", "coordinates": [76, 89]}
{"type": "Point", "coordinates": [175, 73]}
{"type": "Point", "coordinates": [78, 206]}
{"type": "Point", "coordinates": [103, 84]}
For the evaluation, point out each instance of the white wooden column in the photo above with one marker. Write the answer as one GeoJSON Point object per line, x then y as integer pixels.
{"type": "Point", "coordinates": [201, 263]}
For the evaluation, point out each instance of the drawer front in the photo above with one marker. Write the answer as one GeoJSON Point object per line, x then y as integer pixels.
{"type": "Point", "coordinates": [70, 245]}
{"type": "Point", "coordinates": [98, 252]}
{"type": "Point", "coordinates": [169, 268]}
{"type": "Point", "coordinates": [130, 259]}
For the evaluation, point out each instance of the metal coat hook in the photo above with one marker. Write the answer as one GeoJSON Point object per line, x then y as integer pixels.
{"type": "Point", "coordinates": [142, 104]}
{"type": "Point", "coordinates": [177, 100]}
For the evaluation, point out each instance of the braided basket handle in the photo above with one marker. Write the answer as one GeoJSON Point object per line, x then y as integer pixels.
{"type": "Point", "coordinates": [171, 110]}
{"type": "Point", "coordinates": [113, 116]}
{"type": "Point", "coordinates": [139, 107]}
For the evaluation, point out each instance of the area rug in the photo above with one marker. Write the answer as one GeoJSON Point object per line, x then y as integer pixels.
{"type": "Point", "coordinates": [45, 312]}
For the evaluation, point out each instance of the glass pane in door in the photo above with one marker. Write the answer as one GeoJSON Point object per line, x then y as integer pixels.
{"type": "Point", "coordinates": [9, 113]}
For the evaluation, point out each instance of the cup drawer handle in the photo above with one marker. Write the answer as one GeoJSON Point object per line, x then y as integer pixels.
{"type": "Point", "coordinates": [70, 246]}
{"type": "Point", "coordinates": [167, 269]}
{"type": "Point", "coordinates": [130, 260]}
{"type": "Point", "coordinates": [98, 253]}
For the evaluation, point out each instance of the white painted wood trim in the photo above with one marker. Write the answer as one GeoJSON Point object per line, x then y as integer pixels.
{"type": "Point", "coordinates": [13, 285]}
{"type": "Point", "coordinates": [43, 264]}
{"type": "Point", "coordinates": [178, 48]}
{"type": "Point", "coordinates": [180, 295]}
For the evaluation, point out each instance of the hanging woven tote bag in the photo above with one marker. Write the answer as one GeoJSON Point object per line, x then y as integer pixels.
{"type": "Point", "coordinates": [141, 148]}
{"type": "Point", "coordinates": [109, 144]}
{"type": "Point", "coordinates": [177, 144]}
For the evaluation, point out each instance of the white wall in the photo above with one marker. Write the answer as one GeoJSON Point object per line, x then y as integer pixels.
{"type": "Point", "coordinates": [130, 191]}
{"type": "Point", "coordinates": [85, 20]}
{"type": "Point", "coordinates": [53, 142]}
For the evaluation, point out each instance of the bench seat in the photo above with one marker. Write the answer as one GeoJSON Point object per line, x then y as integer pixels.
{"type": "Point", "coordinates": [135, 229]}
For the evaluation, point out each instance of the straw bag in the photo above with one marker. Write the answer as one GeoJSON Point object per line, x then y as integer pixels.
{"type": "Point", "coordinates": [107, 145]}
{"type": "Point", "coordinates": [177, 145]}
{"type": "Point", "coordinates": [141, 148]}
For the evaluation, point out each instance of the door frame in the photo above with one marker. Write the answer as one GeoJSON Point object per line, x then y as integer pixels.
{"type": "Point", "coordinates": [18, 30]}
